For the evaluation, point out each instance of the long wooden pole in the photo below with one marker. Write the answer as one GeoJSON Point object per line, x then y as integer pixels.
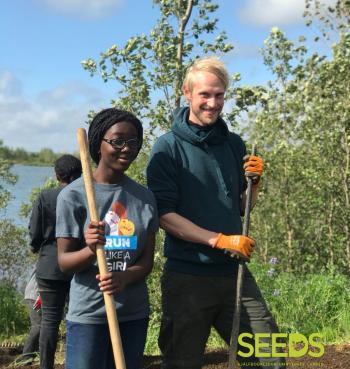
{"type": "Point", "coordinates": [240, 276]}
{"type": "Point", "coordinates": [100, 253]}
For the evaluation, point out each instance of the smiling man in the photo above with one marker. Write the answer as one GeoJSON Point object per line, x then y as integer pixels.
{"type": "Point", "coordinates": [197, 173]}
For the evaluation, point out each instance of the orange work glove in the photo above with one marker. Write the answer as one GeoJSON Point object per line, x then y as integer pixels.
{"type": "Point", "coordinates": [240, 246]}
{"type": "Point", "coordinates": [253, 167]}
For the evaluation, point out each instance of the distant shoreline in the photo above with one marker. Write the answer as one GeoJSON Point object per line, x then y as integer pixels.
{"type": "Point", "coordinates": [45, 157]}
{"type": "Point", "coordinates": [31, 163]}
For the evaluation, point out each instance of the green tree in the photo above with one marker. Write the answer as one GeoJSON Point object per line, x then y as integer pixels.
{"type": "Point", "coordinates": [330, 19]}
{"type": "Point", "coordinates": [300, 121]}
{"type": "Point", "coordinates": [5, 177]}
{"type": "Point", "coordinates": [273, 128]}
{"type": "Point", "coordinates": [149, 69]}
{"type": "Point", "coordinates": [13, 250]}
{"type": "Point", "coordinates": [303, 130]}
{"type": "Point", "coordinates": [47, 156]}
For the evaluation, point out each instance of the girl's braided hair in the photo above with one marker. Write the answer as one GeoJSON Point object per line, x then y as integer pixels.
{"type": "Point", "coordinates": [103, 121]}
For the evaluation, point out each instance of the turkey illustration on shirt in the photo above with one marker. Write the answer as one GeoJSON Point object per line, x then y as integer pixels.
{"type": "Point", "coordinates": [120, 241]}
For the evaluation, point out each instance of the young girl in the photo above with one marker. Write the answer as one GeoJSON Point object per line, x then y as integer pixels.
{"type": "Point", "coordinates": [130, 221]}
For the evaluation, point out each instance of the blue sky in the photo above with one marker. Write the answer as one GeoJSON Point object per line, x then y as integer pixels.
{"type": "Point", "coordinates": [44, 92]}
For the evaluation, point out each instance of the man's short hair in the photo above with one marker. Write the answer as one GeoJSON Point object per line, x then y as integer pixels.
{"type": "Point", "coordinates": [209, 64]}
{"type": "Point", "coordinates": [68, 168]}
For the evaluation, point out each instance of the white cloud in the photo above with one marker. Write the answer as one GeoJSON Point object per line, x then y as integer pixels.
{"type": "Point", "coordinates": [50, 119]}
{"type": "Point", "coordinates": [86, 9]}
{"type": "Point", "coordinates": [273, 12]}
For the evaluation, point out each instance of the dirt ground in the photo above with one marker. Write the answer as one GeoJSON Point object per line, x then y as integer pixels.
{"type": "Point", "coordinates": [335, 357]}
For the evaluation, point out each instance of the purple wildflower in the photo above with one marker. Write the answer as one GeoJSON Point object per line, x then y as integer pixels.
{"type": "Point", "coordinates": [271, 272]}
{"type": "Point", "coordinates": [273, 261]}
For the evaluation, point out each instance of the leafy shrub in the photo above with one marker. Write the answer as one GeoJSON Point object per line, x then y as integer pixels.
{"type": "Point", "coordinates": [14, 254]}
{"type": "Point", "coordinates": [13, 314]}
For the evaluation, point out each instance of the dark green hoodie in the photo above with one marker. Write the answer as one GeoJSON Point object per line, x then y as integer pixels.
{"type": "Point", "coordinates": [198, 173]}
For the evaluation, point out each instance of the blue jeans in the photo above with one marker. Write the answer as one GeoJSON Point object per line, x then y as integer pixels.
{"type": "Point", "coordinates": [88, 346]}
{"type": "Point", "coordinates": [31, 346]}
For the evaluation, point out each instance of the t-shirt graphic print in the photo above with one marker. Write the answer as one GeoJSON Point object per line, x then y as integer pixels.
{"type": "Point", "coordinates": [121, 240]}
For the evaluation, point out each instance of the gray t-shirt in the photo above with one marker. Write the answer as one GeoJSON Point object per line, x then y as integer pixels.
{"type": "Point", "coordinates": [130, 213]}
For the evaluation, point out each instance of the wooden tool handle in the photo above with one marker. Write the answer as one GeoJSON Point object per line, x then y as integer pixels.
{"type": "Point", "coordinates": [100, 253]}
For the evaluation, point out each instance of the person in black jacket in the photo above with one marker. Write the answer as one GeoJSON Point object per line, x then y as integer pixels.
{"type": "Point", "coordinates": [53, 284]}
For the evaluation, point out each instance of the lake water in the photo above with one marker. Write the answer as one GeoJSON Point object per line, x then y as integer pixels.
{"type": "Point", "coordinates": [29, 177]}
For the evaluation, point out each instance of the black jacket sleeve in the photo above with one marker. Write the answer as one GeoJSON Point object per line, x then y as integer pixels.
{"type": "Point", "coordinates": [35, 226]}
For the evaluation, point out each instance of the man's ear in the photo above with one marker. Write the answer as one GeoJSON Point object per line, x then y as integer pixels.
{"type": "Point", "coordinates": [59, 179]}
{"type": "Point", "coordinates": [187, 93]}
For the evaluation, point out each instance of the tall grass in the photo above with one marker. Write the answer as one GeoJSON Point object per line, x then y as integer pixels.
{"type": "Point", "coordinates": [307, 303]}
